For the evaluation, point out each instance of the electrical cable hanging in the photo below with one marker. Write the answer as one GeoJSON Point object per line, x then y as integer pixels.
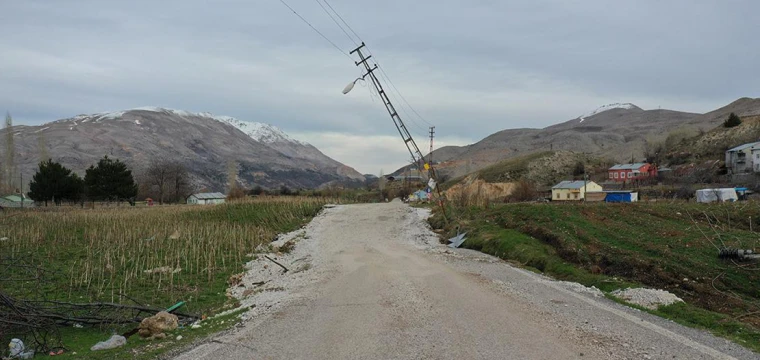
{"type": "Point", "coordinates": [315, 29]}
{"type": "Point", "coordinates": [384, 75]}
{"type": "Point", "coordinates": [336, 22]}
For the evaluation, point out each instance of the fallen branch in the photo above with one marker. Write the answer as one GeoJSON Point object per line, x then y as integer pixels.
{"type": "Point", "coordinates": [272, 260]}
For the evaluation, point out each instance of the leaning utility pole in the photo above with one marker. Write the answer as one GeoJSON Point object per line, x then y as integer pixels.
{"type": "Point", "coordinates": [430, 154]}
{"type": "Point", "coordinates": [417, 156]}
{"type": "Point", "coordinates": [414, 150]}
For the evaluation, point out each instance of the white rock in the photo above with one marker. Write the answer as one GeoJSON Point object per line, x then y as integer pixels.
{"type": "Point", "coordinates": [179, 337]}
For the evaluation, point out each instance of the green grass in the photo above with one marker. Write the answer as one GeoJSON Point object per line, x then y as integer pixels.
{"type": "Point", "coordinates": [100, 255]}
{"type": "Point", "coordinates": [613, 246]}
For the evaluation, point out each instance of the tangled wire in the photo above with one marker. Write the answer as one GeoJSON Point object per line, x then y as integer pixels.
{"type": "Point", "coordinates": [31, 316]}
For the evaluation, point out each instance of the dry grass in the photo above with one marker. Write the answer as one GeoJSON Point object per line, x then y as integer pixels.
{"type": "Point", "coordinates": [155, 254]}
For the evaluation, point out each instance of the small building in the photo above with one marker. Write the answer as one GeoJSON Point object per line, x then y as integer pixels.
{"type": "Point", "coordinates": [621, 196]}
{"type": "Point", "coordinates": [743, 158]}
{"type": "Point", "coordinates": [573, 190]}
{"type": "Point", "coordinates": [719, 195]}
{"type": "Point", "coordinates": [15, 201]}
{"type": "Point", "coordinates": [206, 198]}
{"type": "Point", "coordinates": [630, 172]}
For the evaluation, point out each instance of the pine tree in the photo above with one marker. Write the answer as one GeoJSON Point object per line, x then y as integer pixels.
{"type": "Point", "coordinates": [733, 120]}
{"type": "Point", "coordinates": [54, 182]}
{"type": "Point", "coordinates": [110, 180]}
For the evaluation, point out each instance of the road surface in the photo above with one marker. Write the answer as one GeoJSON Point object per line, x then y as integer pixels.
{"type": "Point", "coordinates": [378, 286]}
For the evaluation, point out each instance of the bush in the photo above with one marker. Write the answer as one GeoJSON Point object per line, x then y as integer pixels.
{"type": "Point", "coordinates": [733, 120]}
{"type": "Point", "coordinates": [523, 191]}
{"type": "Point", "coordinates": [236, 192]}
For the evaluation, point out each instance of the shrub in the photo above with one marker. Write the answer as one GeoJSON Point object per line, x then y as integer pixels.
{"type": "Point", "coordinates": [523, 191]}
{"type": "Point", "coordinates": [733, 120]}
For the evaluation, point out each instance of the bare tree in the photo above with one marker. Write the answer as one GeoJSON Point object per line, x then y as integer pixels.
{"type": "Point", "coordinates": [166, 180]}
{"type": "Point", "coordinates": [158, 177]}
{"type": "Point", "coordinates": [179, 181]}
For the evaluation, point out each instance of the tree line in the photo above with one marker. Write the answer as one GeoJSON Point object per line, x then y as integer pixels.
{"type": "Point", "coordinates": [109, 180]}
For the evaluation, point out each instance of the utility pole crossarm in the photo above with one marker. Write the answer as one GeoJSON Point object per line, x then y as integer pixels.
{"type": "Point", "coordinates": [411, 145]}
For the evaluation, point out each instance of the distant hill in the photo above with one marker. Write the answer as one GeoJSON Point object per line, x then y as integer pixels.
{"type": "Point", "coordinates": [203, 142]}
{"type": "Point", "coordinates": [617, 132]}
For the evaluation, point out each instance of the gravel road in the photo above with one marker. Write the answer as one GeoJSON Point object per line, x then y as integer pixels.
{"type": "Point", "coordinates": [372, 282]}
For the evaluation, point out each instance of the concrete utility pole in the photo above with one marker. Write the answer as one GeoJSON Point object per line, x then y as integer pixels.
{"type": "Point", "coordinates": [430, 154]}
{"type": "Point", "coordinates": [417, 156]}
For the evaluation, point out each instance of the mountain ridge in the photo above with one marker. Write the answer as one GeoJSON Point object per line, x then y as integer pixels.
{"type": "Point", "coordinates": [617, 133]}
{"type": "Point", "coordinates": [203, 142]}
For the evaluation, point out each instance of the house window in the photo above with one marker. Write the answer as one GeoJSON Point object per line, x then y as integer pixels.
{"type": "Point", "coordinates": [575, 196]}
{"type": "Point", "coordinates": [630, 175]}
{"type": "Point", "coordinates": [556, 196]}
{"type": "Point", "coordinates": [611, 173]}
{"type": "Point", "coordinates": [567, 196]}
{"type": "Point", "coordinates": [616, 175]}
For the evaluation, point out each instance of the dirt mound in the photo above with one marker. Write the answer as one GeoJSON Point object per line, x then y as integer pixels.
{"type": "Point", "coordinates": [479, 190]}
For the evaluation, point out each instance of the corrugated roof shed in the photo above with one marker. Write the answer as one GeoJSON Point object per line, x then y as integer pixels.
{"type": "Point", "coordinates": [744, 146]}
{"type": "Point", "coordinates": [567, 184]}
{"type": "Point", "coordinates": [634, 166]}
{"type": "Point", "coordinates": [209, 196]}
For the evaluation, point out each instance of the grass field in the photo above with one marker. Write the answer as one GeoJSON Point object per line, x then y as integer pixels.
{"type": "Point", "coordinates": [670, 246]}
{"type": "Point", "coordinates": [156, 256]}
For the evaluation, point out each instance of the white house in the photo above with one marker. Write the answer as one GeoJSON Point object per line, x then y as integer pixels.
{"type": "Point", "coordinates": [573, 190]}
{"type": "Point", "coordinates": [743, 158]}
{"type": "Point", "coordinates": [206, 198]}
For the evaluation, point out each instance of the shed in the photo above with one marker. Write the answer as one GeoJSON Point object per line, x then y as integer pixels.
{"type": "Point", "coordinates": [206, 198]}
{"type": "Point", "coordinates": [621, 197]}
{"type": "Point", "coordinates": [719, 195]}
{"type": "Point", "coordinates": [15, 201]}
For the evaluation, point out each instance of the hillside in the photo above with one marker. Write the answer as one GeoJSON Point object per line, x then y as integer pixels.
{"type": "Point", "coordinates": [204, 143]}
{"type": "Point", "coordinates": [616, 132]}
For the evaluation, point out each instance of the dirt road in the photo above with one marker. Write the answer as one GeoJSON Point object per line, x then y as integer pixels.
{"type": "Point", "coordinates": [378, 286]}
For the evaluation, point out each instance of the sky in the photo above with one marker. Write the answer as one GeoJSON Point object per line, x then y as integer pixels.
{"type": "Point", "coordinates": [469, 67]}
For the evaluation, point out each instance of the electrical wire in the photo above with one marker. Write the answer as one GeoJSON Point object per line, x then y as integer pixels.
{"type": "Point", "coordinates": [344, 21]}
{"type": "Point", "coordinates": [383, 73]}
{"type": "Point", "coordinates": [336, 22]}
{"type": "Point", "coordinates": [315, 29]}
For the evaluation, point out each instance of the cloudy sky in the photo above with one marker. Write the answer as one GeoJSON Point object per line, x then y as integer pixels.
{"type": "Point", "coordinates": [469, 67]}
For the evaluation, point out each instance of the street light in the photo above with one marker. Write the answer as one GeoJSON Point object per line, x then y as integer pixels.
{"type": "Point", "coordinates": [350, 85]}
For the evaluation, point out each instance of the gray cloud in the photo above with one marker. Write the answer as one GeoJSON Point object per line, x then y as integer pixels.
{"type": "Point", "coordinates": [469, 67]}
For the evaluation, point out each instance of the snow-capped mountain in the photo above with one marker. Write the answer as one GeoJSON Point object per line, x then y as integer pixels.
{"type": "Point", "coordinates": [204, 142]}
{"type": "Point", "coordinates": [260, 132]}
{"type": "Point", "coordinates": [601, 109]}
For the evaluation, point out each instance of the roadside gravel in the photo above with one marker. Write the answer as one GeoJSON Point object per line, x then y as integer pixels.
{"type": "Point", "coordinates": [373, 282]}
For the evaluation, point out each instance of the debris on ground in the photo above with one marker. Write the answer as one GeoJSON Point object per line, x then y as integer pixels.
{"type": "Point", "coordinates": [580, 288]}
{"type": "Point", "coordinates": [154, 327]}
{"type": "Point", "coordinates": [163, 270]}
{"type": "Point", "coordinates": [738, 254]}
{"type": "Point", "coordinates": [235, 279]}
{"type": "Point", "coordinates": [112, 343]}
{"type": "Point", "coordinates": [648, 298]}
{"type": "Point", "coordinates": [457, 241]}
{"type": "Point", "coordinates": [18, 350]}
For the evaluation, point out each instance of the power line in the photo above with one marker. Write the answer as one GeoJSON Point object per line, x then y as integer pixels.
{"type": "Point", "coordinates": [336, 22]}
{"type": "Point", "coordinates": [315, 29]}
{"type": "Point", "coordinates": [385, 75]}
{"type": "Point", "coordinates": [344, 21]}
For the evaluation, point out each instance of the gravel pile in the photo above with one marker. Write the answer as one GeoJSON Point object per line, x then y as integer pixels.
{"type": "Point", "coordinates": [648, 298]}
{"type": "Point", "coordinates": [576, 287]}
